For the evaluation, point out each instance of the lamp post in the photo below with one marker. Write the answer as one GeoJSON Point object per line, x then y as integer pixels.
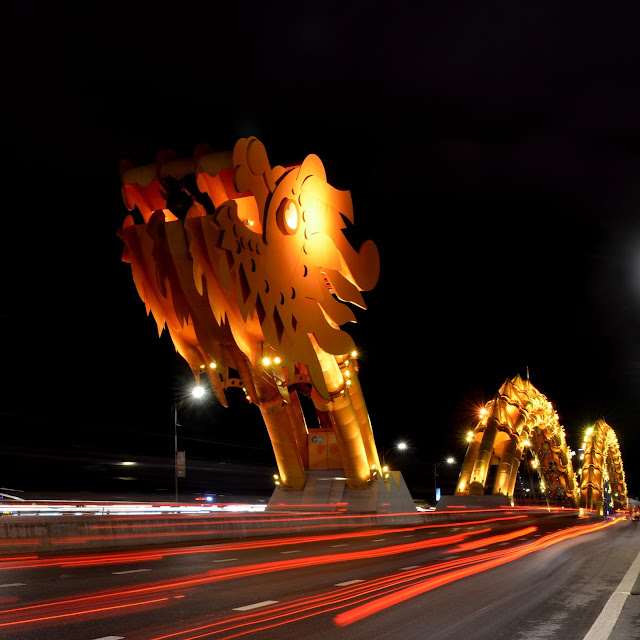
{"type": "Point", "coordinates": [435, 476]}
{"type": "Point", "coordinates": [400, 446]}
{"type": "Point", "coordinates": [197, 392]}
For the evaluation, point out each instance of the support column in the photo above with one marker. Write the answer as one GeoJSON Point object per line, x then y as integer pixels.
{"type": "Point", "coordinates": [483, 461]}
{"type": "Point", "coordinates": [364, 421]}
{"type": "Point", "coordinates": [300, 430]}
{"type": "Point", "coordinates": [514, 469]}
{"type": "Point", "coordinates": [467, 468]}
{"type": "Point", "coordinates": [503, 477]}
{"type": "Point", "coordinates": [349, 440]}
{"type": "Point", "coordinates": [285, 447]}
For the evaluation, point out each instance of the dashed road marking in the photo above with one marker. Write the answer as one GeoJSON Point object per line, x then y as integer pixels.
{"type": "Point", "coordinates": [379, 540]}
{"type": "Point", "coordinates": [13, 584]}
{"type": "Point", "coordinates": [411, 535]}
{"type": "Point", "coordinates": [347, 583]}
{"type": "Point", "coordinates": [413, 566]}
{"type": "Point", "coordinates": [118, 573]}
{"type": "Point", "coordinates": [111, 638]}
{"type": "Point", "coordinates": [256, 605]}
{"type": "Point", "coordinates": [333, 546]}
{"type": "Point", "coordinates": [292, 551]}
{"type": "Point", "coordinates": [479, 550]}
{"type": "Point", "coordinates": [226, 560]}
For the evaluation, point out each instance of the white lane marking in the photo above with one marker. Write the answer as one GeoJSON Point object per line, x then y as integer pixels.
{"type": "Point", "coordinates": [413, 566]}
{"type": "Point", "coordinates": [379, 540]}
{"type": "Point", "coordinates": [605, 622]}
{"type": "Point", "coordinates": [411, 535]}
{"type": "Point", "coordinates": [226, 560]}
{"type": "Point", "coordinates": [455, 528]}
{"type": "Point", "coordinates": [13, 584]}
{"type": "Point", "coordinates": [452, 557]}
{"type": "Point", "coordinates": [500, 544]}
{"type": "Point", "coordinates": [293, 551]}
{"type": "Point", "coordinates": [118, 573]}
{"type": "Point", "coordinates": [347, 583]}
{"type": "Point", "coordinates": [111, 638]}
{"type": "Point", "coordinates": [256, 605]}
{"type": "Point", "coordinates": [333, 546]}
{"type": "Point", "coordinates": [479, 550]}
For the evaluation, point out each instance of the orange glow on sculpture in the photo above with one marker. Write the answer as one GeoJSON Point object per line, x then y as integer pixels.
{"type": "Point", "coordinates": [253, 265]}
{"type": "Point", "coordinates": [602, 462]}
{"type": "Point", "coordinates": [521, 420]}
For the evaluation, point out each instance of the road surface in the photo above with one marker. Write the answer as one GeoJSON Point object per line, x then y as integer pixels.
{"type": "Point", "coordinates": [495, 578]}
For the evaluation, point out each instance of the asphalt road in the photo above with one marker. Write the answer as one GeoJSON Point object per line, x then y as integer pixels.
{"type": "Point", "coordinates": [386, 584]}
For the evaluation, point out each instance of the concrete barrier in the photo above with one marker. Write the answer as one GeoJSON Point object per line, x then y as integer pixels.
{"type": "Point", "coordinates": [46, 534]}
{"type": "Point", "coordinates": [30, 534]}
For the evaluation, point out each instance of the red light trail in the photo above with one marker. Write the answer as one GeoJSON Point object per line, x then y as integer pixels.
{"type": "Point", "coordinates": [364, 599]}
{"type": "Point", "coordinates": [118, 557]}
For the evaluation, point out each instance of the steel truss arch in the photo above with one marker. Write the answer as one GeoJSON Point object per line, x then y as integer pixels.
{"type": "Point", "coordinates": [602, 465]}
{"type": "Point", "coordinates": [520, 423]}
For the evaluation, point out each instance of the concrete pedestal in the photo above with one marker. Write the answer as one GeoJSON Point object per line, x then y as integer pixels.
{"type": "Point", "coordinates": [327, 491]}
{"type": "Point", "coordinates": [452, 503]}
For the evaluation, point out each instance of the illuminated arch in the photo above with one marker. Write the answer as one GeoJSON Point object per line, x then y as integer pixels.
{"type": "Point", "coordinates": [602, 464]}
{"type": "Point", "coordinates": [518, 419]}
{"type": "Point", "coordinates": [520, 423]}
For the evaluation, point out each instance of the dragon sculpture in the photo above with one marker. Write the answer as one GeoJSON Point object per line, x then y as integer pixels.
{"type": "Point", "coordinates": [521, 423]}
{"type": "Point", "coordinates": [248, 267]}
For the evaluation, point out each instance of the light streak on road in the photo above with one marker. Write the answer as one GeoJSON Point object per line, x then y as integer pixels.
{"type": "Point", "coordinates": [362, 598]}
{"type": "Point", "coordinates": [365, 592]}
{"type": "Point", "coordinates": [119, 557]}
{"type": "Point", "coordinates": [503, 538]}
{"type": "Point", "coordinates": [181, 523]}
{"type": "Point", "coordinates": [486, 562]}
{"type": "Point", "coordinates": [215, 575]}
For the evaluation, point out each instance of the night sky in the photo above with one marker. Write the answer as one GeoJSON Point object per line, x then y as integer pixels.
{"type": "Point", "coordinates": [492, 151]}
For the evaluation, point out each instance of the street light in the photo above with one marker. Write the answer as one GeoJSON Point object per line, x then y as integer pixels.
{"type": "Point", "coordinates": [400, 446]}
{"type": "Point", "coordinates": [197, 392]}
{"type": "Point", "coordinates": [435, 476]}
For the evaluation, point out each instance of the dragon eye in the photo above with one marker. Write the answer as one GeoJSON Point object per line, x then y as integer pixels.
{"type": "Point", "coordinates": [288, 217]}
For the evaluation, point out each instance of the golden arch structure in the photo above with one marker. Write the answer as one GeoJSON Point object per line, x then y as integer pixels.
{"type": "Point", "coordinates": [521, 423]}
{"type": "Point", "coordinates": [248, 267]}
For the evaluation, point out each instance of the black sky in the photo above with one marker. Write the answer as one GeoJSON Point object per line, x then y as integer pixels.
{"type": "Point", "coordinates": [492, 151]}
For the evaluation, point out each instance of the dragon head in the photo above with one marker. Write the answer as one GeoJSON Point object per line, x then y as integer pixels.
{"type": "Point", "coordinates": [293, 266]}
